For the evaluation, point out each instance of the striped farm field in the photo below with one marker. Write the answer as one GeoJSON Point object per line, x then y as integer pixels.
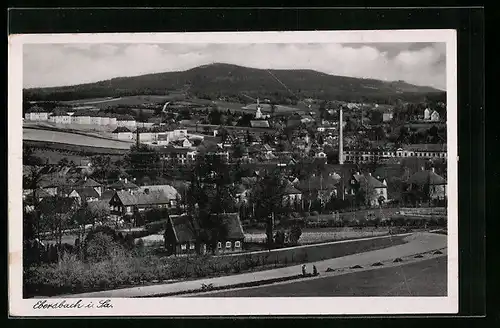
{"type": "Point", "coordinates": [73, 139]}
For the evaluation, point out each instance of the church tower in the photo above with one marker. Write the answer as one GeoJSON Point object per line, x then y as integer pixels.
{"type": "Point", "coordinates": [258, 113]}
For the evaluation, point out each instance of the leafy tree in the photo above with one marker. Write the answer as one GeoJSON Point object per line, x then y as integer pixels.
{"type": "Point", "coordinates": [249, 137]}
{"type": "Point", "coordinates": [102, 167]}
{"type": "Point", "coordinates": [283, 146]}
{"type": "Point", "coordinates": [267, 196]}
{"type": "Point", "coordinates": [366, 193]}
{"type": "Point", "coordinates": [245, 119]}
{"type": "Point", "coordinates": [57, 213]}
{"type": "Point", "coordinates": [63, 162]}
{"type": "Point", "coordinates": [31, 181]}
{"type": "Point", "coordinates": [185, 114]}
{"type": "Point", "coordinates": [210, 193]}
{"type": "Point", "coordinates": [239, 150]}
{"type": "Point", "coordinates": [29, 157]}
{"type": "Point", "coordinates": [214, 117]}
{"type": "Point", "coordinates": [142, 116]}
{"type": "Point", "coordinates": [295, 233]}
{"type": "Point", "coordinates": [273, 109]}
{"type": "Point", "coordinates": [229, 120]}
{"type": "Point", "coordinates": [143, 161]}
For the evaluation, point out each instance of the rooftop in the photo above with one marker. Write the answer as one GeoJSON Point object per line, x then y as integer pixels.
{"type": "Point", "coordinates": [369, 180]}
{"type": "Point", "coordinates": [427, 177]}
{"type": "Point", "coordinates": [144, 197]}
{"type": "Point", "coordinates": [233, 225]}
{"type": "Point", "coordinates": [121, 129]}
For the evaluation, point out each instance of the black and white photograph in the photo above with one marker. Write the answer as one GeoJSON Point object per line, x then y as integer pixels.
{"type": "Point", "coordinates": [233, 173]}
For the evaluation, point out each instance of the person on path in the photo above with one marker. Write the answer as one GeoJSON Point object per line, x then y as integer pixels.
{"type": "Point", "coordinates": [303, 269]}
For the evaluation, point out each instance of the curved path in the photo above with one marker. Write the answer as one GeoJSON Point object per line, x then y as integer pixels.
{"type": "Point", "coordinates": [417, 243]}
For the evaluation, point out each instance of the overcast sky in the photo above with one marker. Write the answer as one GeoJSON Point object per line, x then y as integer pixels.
{"type": "Point", "coordinates": [57, 64]}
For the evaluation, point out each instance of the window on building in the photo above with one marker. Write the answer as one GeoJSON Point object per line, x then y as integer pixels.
{"type": "Point", "coordinates": [191, 246]}
{"type": "Point", "coordinates": [237, 244]}
{"type": "Point", "coordinates": [183, 247]}
{"type": "Point", "coordinates": [228, 244]}
{"type": "Point", "coordinates": [219, 245]}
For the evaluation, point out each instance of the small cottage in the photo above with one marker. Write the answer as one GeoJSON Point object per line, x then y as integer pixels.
{"type": "Point", "coordinates": [435, 116]}
{"type": "Point", "coordinates": [129, 202]}
{"type": "Point", "coordinates": [123, 133]}
{"type": "Point", "coordinates": [291, 194]}
{"type": "Point", "coordinates": [429, 181]}
{"type": "Point", "coordinates": [182, 230]}
{"type": "Point", "coordinates": [84, 194]}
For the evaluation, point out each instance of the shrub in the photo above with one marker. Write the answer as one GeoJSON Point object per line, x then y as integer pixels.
{"type": "Point", "coordinates": [295, 233]}
{"type": "Point", "coordinates": [155, 227]}
{"type": "Point", "coordinates": [279, 238]}
{"type": "Point", "coordinates": [101, 247]}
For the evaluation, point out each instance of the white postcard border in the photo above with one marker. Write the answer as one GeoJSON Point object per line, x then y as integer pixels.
{"type": "Point", "coordinates": [232, 306]}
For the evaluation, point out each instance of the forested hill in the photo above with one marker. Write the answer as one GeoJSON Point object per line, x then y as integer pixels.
{"type": "Point", "coordinates": [231, 81]}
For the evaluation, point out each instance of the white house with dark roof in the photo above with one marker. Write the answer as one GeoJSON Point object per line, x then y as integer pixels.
{"type": "Point", "coordinates": [181, 156]}
{"type": "Point", "coordinates": [291, 194]}
{"type": "Point", "coordinates": [435, 116]}
{"type": "Point", "coordinates": [427, 114]}
{"type": "Point", "coordinates": [375, 190]}
{"type": "Point", "coordinates": [60, 116]}
{"type": "Point", "coordinates": [123, 133]}
{"type": "Point", "coordinates": [84, 194]}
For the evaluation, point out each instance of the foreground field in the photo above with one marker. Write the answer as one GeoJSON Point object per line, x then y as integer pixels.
{"type": "Point", "coordinates": [423, 278]}
{"type": "Point", "coordinates": [72, 138]}
{"type": "Point", "coordinates": [127, 269]}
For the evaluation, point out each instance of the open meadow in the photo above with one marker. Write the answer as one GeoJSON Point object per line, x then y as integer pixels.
{"type": "Point", "coordinates": [73, 139]}
{"type": "Point", "coordinates": [121, 101]}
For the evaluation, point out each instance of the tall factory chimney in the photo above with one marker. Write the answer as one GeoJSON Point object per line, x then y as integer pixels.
{"type": "Point", "coordinates": [341, 137]}
{"type": "Point", "coordinates": [138, 142]}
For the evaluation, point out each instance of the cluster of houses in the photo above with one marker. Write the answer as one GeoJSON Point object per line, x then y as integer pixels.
{"type": "Point", "coordinates": [432, 116]}
{"type": "Point", "coordinates": [125, 198]}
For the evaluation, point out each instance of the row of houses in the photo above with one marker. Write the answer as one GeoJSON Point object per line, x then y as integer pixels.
{"type": "Point", "coordinates": [428, 151]}
{"type": "Point", "coordinates": [324, 187]}
{"type": "Point", "coordinates": [86, 117]}
{"type": "Point", "coordinates": [151, 136]}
